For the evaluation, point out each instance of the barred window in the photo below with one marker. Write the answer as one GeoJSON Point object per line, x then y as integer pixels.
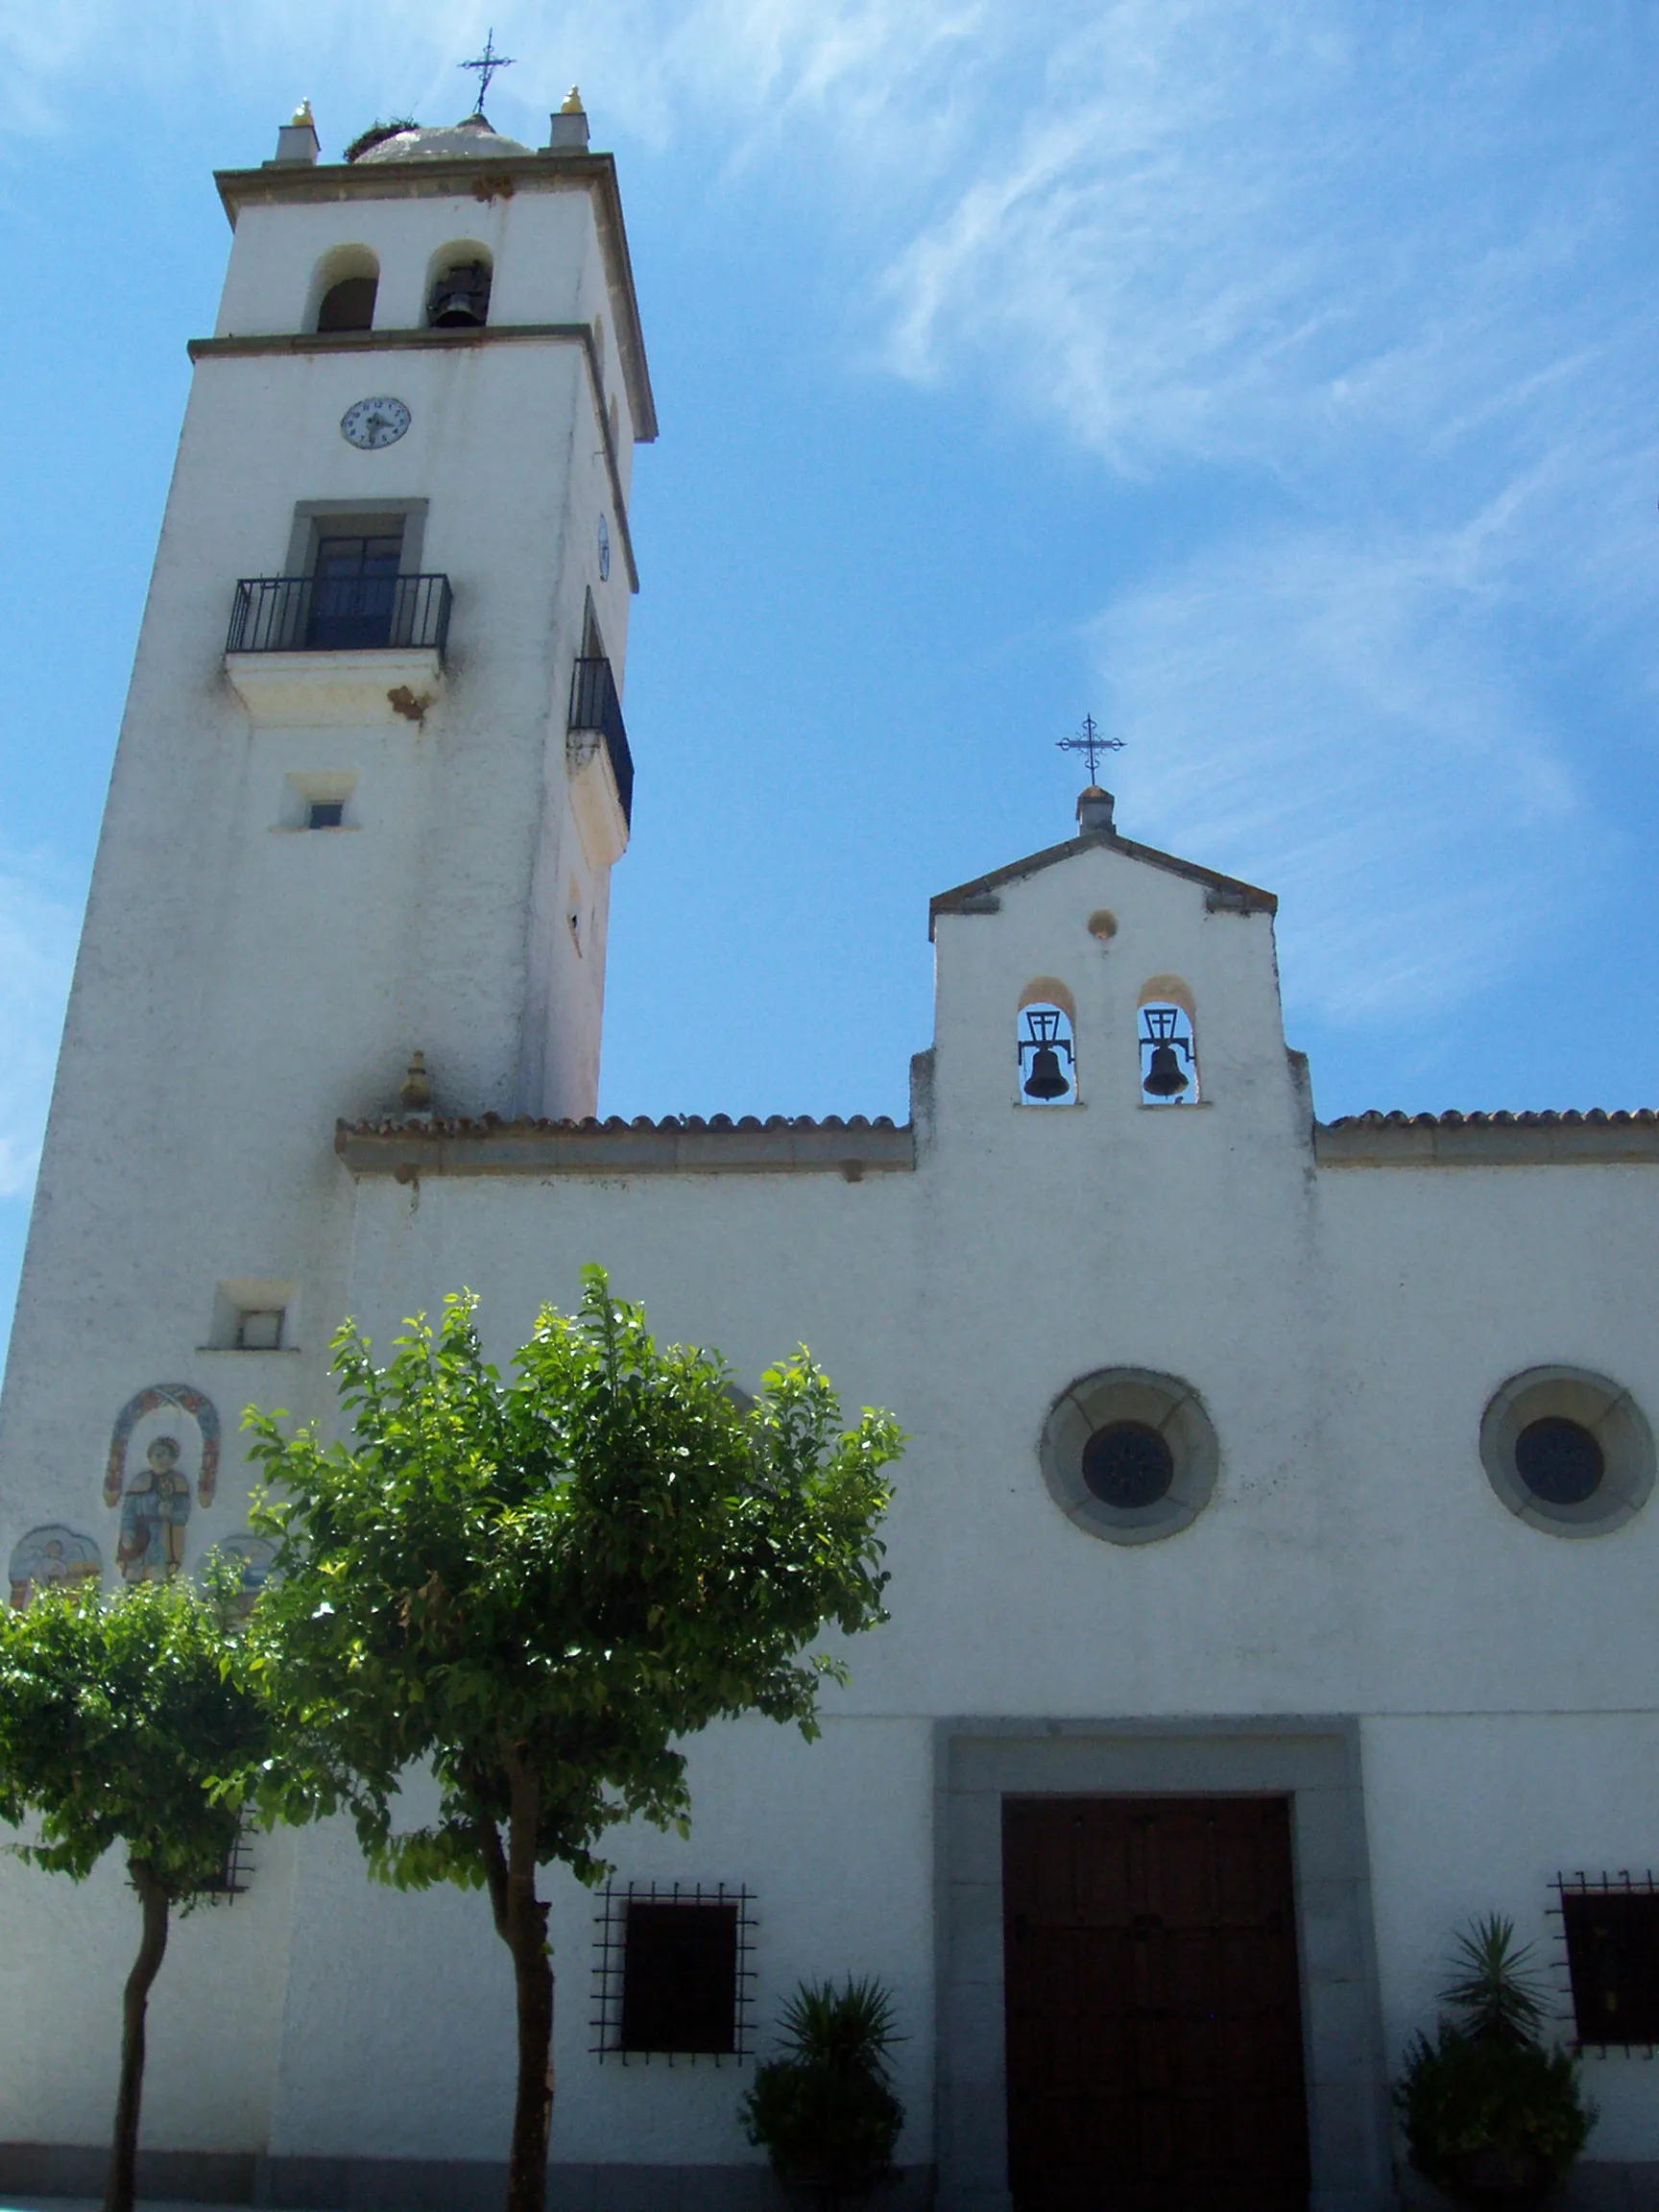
{"type": "Point", "coordinates": [671, 1978]}
{"type": "Point", "coordinates": [1612, 1931]}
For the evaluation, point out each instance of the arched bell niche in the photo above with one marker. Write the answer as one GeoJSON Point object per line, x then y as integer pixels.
{"type": "Point", "coordinates": [458, 281]}
{"type": "Point", "coordinates": [1046, 1043]}
{"type": "Point", "coordinates": [343, 290]}
{"type": "Point", "coordinates": [1167, 1042]}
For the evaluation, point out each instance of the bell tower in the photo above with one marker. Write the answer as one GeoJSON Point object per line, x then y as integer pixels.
{"type": "Point", "coordinates": [372, 775]}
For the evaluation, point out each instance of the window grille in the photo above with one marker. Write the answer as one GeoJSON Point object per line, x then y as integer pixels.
{"type": "Point", "coordinates": [1609, 1934]}
{"type": "Point", "coordinates": [236, 1873]}
{"type": "Point", "coordinates": [671, 1975]}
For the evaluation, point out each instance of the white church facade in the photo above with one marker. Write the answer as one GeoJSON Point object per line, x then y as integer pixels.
{"type": "Point", "coordinates": [1274, 1564]}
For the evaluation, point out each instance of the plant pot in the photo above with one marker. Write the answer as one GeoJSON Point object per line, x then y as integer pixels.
{"type": "Point", "coordinates": [1499, 2176]}
{"type": "Point", "coordinates": [816, 2193]}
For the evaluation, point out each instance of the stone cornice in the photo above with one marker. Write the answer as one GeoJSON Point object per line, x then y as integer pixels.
{"type": "Point", "coordinates": [407, 1149]}
{"type": "Point", "coordinates": [308, 342]}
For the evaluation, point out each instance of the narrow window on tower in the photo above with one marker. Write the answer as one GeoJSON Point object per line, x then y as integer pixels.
{"type": "Point", "coordinates": [1168, 1044]}
{"type": "Point", "coordinates": [318, 799]}
{"type": "Point", "coordinates": [1044, 1048]}
{"type": "Point", "coordinates": [251, 1316]}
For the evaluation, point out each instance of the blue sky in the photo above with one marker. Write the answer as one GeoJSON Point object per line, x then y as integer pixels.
{"type": "Point", "coordinates": [1279, 382]}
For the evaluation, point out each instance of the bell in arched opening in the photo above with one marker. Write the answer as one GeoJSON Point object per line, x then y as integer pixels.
{"type": "Point", "coordinates": [1166, 1064]}
{"type": "Point", "coordinates": [460, 299]}
{"type": "Point", "coordinates": [1046, 1077]}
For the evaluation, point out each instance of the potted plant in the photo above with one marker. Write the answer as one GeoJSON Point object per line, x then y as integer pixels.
{"type": "Point", "coordinates": [1491, 2114]}
{"type": "Point", "coordinates": [823, 2109]}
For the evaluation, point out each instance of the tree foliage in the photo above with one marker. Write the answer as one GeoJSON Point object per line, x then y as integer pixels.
{"type": "Point", "coordinates": [117, 1722]}
{"type": "Point", "coordinates": [536, 1585]}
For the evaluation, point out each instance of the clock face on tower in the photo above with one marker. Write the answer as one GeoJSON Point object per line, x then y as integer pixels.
{"type": "Point", "coordinates": [374, 422]}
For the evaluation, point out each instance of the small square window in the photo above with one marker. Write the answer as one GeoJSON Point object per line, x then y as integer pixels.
{"type": "Point", "coordinates": [1613, 1960]}
{"type": "Point", "coordinates": [260, 1331]}
{"type": "Point", "coordinates": [680, 1977]}
{"type": "Point", "coordinates": [671, 1973]}
{"type": "Point", "coordinates": [325, 815]}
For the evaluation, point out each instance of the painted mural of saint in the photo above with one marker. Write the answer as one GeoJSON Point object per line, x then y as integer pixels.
{"type": "Point", "coordinates": [51, 1556]}
{"type": "Point", "coordinates": [154, 1511]}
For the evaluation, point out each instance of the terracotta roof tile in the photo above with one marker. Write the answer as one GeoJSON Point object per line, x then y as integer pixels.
{"type": "Point", "coordinates": [670, 1124]}
{"type": "Point", "coordinates": [1565, 1119]}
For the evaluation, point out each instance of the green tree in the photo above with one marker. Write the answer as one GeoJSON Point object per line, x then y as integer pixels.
{"type": "Point", "coordinates": [116, 1720]}
{"type": "Point", "coordinates": [536, 1587]}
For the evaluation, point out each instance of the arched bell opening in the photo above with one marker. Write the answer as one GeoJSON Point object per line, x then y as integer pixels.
{"type": "Point", "coordinates": [1167, 1042]}
{"type": "Point", "coordinates": [458, 288]}
{"type": "Point", "coordinates": [1046, 1045]}
{"type": "Point", "coordinates": [343, 290]}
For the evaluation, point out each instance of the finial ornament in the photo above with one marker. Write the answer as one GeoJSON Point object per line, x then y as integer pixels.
{"type": "Point", "coordinates": [302, 114]}
{"type": "Point", "coordinates": [572, 102]}
{"type": "Point", "coordinates": [1090, 740]}
{"type": "Point", "coordinates": [415, 1092]}
{"type": "Point", "coordinates": [487, 65]}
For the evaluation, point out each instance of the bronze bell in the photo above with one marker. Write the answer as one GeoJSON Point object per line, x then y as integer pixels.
{"type": "Point", "coordinates": [1166, 1077]}
{"type": "Point", "coordinates": [461, 298]}
{"type": "Point", "coordinates": [1047, 1079]}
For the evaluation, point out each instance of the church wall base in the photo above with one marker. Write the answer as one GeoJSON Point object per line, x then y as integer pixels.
{"type": "Point", "coordinates": [74, 2170]}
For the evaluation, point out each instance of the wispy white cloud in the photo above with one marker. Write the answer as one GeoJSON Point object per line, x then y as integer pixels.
{"type": "Point", "coordinates": [1384, 275]}
{"type": "Point", "coordinates": [1332, 717]}
{"type": "Point", "coordinates": [39, 911]}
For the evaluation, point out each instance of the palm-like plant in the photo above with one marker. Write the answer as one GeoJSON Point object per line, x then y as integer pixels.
{"type": "Point", "coordinates": [823, 2108]}
{"type": "Point", "coordinates": [1496, 1993]}
{"type": "Point", "coordinates": [850, 2028]}
{"type": "Point", "coordinates": [1489, 2111]}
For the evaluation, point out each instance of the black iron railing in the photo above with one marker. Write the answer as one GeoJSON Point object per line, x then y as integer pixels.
{"type": "Point", "coordinates": [594, 706]}
{"type": "Point", "coordinates": [339, 614]}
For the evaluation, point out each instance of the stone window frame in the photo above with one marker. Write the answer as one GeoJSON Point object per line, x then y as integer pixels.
{"type": "Point", "coordinates": [1613, 1417]}
{"type": "Point", "coordinates": [1166, 1403]}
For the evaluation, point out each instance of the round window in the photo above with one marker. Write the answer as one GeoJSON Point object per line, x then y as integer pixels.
{"type": "Point", "coordinates": [1559, 1460]}
{"type": "Point", "coordinates": [1566, 1451]}
{"type": "Point", "coordinates": [1128, 1464]}
{"type": "Point", "coordinates": [1129, 1455]}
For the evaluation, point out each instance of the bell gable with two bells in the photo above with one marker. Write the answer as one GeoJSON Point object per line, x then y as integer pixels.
{"type": "Point", "coordinates": [1106, 977]}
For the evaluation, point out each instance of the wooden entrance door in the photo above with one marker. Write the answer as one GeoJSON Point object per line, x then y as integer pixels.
{"type": "Point", "coordinates": [1154, 2034]}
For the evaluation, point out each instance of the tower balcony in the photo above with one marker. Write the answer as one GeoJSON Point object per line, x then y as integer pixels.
{"type": "Point", "coordinates": [600, 763]}
{"type": "Point", "coordinates": [306, 652]}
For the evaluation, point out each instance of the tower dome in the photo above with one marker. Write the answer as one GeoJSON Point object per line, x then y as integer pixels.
{"type": "Point", "coordinates": [459, 141]}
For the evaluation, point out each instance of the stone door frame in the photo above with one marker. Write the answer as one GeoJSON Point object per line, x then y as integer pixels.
{"type": "Point", "coordinates": [1313, 1761]}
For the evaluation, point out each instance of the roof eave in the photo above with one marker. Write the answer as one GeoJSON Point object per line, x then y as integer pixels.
{"type": "Point", "coordinates": [1246, 898]}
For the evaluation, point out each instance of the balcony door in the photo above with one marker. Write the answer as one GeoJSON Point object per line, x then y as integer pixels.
{"type": "Point", "coordinates": [354, 594]}
{"type": "Point", "coordinates": [1154, 2034]}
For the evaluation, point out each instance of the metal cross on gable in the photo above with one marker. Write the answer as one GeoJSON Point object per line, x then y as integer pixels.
{"type": "Point", "coordinates": [487, 64]}
{"type": "Point", "coordinates": [1090, 740]}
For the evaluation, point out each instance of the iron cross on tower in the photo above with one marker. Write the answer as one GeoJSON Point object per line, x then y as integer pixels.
{"type": "Point", "coordinates": [1090, 740]}
{"type": "Point", "coordinates": [487, 64]}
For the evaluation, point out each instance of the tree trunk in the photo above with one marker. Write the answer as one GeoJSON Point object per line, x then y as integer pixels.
{"type": "Point", "coordinates": [521, 1923]}
{"type": "Point", "coordinates": [124, 2150]}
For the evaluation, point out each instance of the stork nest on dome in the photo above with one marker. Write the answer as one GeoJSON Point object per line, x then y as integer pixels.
{"type": "Point", "coordinates": [376, 131]}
